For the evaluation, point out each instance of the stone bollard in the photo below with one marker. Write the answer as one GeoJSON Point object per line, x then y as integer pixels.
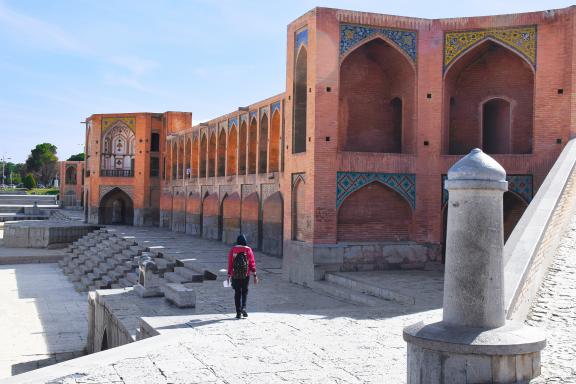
{"type": "Point", "coordinates": [474, 343]}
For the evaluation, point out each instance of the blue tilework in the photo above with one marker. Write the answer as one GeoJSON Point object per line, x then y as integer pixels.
{"type": "Point", "coordinates": [522, 185]}
{"type": "Point", "coordinates": [301, 39]}
{"type": "Point", "coordinates": [275, 107]}
{"type": "Point", "coordinates": [263, 111]}
{"type": "Point", "coordinates": [349, 182]}
{"type": "Point", "coordinates": [232, 121]}
{"type": "Point", "coordinates": [253, 114]}
{"type": "Point", "coordinates": [351, 35]}
{"type": "Point", "coordinates": [244, 119]}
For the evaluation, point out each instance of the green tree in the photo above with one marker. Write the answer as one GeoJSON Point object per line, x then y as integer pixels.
{"type": "Point", "coordinates": [29, 181]}
{"type": "Point", "coordinates": [77, 157]}
{"type": "Point", "coordinates": [43, 163]}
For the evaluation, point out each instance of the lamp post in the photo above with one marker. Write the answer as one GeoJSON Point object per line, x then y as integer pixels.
{"type": "Point", "coordinates": [4, 158]}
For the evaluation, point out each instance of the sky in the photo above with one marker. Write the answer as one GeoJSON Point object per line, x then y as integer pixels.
{"type": "Point", "coordinates": [64, 60]}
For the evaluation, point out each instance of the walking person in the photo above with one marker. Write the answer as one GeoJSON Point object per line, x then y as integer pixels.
{"type": "Point", "coordinates": [240, 263]}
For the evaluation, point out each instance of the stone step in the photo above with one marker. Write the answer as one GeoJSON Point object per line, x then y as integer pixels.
{"type": "Point", "coordinates": [132, 278]}
{"type": "Point", "coordinates": [349, 282]}
{"type": "Point", "coordinates": [347, 294]}
{"type": "Point", "coordinates": [189, 274]}
{"type": "Point", "coordinates": [174, 277]}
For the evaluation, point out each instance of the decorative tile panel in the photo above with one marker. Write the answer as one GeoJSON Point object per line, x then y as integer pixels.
{"type": "Point", "coordinates": [522, 185]}
{"type": "Point", "coordinates": [519, 39]}
{"type": "Point", "coordinates": [232, 121]}
{"type": "Point", "coordinates": [263, 111]}
{"type": "Point", "coordinates": [244, 119]}
{"type": "Point", "coordinates": [352, 35]}
{"type": "Point", "coordinates": [349, 182]}
{"type": "Point", "coordinates": [301, 39]}
{"type": "Point", "coordinates": [253, 114]}
{"type": "Point", "coordinates": [275, 107]}
{"type": "Point", "coordinates": [108, 122]}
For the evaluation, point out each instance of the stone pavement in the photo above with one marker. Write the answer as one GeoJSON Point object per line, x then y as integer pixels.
{"type": "Point", "coordinates": [555, 311]}
{"type": "Point", "coordinates": [42, 319]}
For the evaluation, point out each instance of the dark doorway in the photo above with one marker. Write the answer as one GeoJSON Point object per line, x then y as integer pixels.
{"type": "Point", "coordinates": [496, 126]}
{"type": "Point", "coordinates": [116, 207]}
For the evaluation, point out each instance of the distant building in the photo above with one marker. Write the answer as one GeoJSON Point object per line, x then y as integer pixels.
{"type": "Point", "coordinates": [344, 171]}
{"type": "Point", "coordinates": [71, 183]}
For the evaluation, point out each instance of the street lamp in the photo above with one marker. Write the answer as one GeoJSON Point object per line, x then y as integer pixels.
{"type": "Point", "coordinates": [4, 158]}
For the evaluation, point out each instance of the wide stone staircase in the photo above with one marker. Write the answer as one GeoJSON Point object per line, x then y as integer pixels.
{"type": "Point", "coordinates": [105, 259]}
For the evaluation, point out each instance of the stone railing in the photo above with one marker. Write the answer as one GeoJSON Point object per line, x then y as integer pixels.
{"type": "Point", "coordinates": [533, 243]}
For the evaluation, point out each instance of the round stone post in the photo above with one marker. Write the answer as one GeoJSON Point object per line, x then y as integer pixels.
{"type": "Point", "coordinates": [474, 343]}
{"type": "Point", "coordinates": [473, 279]}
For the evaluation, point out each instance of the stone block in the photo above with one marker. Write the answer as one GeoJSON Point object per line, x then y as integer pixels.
{"type": "Point", "coordinates": [180, 295]}
{"type": "Point", "coordinates": [503, 369]}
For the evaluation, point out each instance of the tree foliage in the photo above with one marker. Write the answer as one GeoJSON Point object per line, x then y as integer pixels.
{"type": "Point", "coordinates": [43, 163]}
{"type": "Point", "coordinates": [29, 181]}
{"type": "Point", "coordinates": [77, 157]}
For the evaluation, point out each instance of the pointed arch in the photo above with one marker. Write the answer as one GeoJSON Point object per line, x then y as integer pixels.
{"type": "Point", "coordinates": [250, 219]}
{"type": "Point", "coordinates": [376, 99]}
{"type": "Point", "coordinates": [222, 153]}
{"type": "Point", "coordinates": [116, 207]}
{"type": "Point", "coordinates": [243, 143]}
{"type": "Point", "coordinates": [273, 224]}
{"type": "Point", "coordinates": [181, 159]}
{"type": "Point", "coordinates": [275, 142]}
{"type": "Point", "coordinates": [230, 218]}
{"type": "Point", "coordinates": [188, 157]}
{"type": "Point", "coordinates": [232, 149]}
{"type": "Point", "coordinates": [300, 224]}
{"type": "Point", "coordinates": [488, 70]}
{"type": "Point", "coordinates": [212, 155]}
{"type": "Point", "coordinates": [263, 144]}
{"type": "Point", "coordinates": [252, 145]}
{"type": "Point", "coordinates": [174, 165]}
{"type": "Point", "coordinates": [374, 212]}
{"type": "Point", "coordinates": [300, 101]}
{"type": "Point", "coordinates": [210, 216]}
{"type": "Point", "coordinates": [70, 177]}
{"type": "Point", "coordinates": [195, 156]}
{"type": "Point", "coordinates": [203, 154]}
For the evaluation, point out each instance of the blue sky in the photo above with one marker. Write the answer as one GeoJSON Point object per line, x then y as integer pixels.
{"type": "Point", "coordinates": [63, 60]}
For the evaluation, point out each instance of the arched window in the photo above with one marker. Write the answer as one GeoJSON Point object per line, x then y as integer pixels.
{"type": "Point", "coordinates": [117, 150]}
{"type": "Point", "coordinates": [232, 151]}
{"type": "Point", "coordinates": [242, 149]}
{"type": "Point", "coordinates": [263, 145]}
{"type": "Point", "coordinates": [300, 101]}
{"type": "Point", "coordinates": [188, 157]}
{"type": "Point", "coordinates": [203, 154]}
{"type": "Point", "coordinates": [195, 155]}
{"type": "Point", "coordinates": [300, 228]}
{"type": "Point", "coordinates": [377, 89]}
{"type": "Point", "coordinates": [212, 156]}
{"type": "Point", "coordinates": [71, 175]}
{"type": "Point", "coordinates": [275, 143]}
{"type": "Point", "coordinates": [222, 153]}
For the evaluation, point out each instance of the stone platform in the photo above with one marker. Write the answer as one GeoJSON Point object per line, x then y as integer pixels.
{"type": "Point", "coordinates": [44, 233]}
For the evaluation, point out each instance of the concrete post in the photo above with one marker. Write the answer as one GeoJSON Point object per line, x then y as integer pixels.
{"type": "Point", "coordinates": [474, 343]}
{"type": "Point", "coordinates": [473, 281]}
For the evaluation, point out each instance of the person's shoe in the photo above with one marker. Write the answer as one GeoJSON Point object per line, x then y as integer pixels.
{"type": "Point", "coordinates": [244, 313]}
{"type": "Point", "coordinates": [238, 315]}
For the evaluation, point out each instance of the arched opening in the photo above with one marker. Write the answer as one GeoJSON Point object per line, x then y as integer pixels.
{"type": "Point", "coordinates": [181, 159]}
{"type": "Point", "coordinates": [230, 218]}
{"type": "Point", "coordinates": [188, 155]}
{"type": "Point", "coordinates": [222, 153]}
{"type": "Point", "coordinates": [252, 146]}
{"type": "Point", "coordinates": [117, 151]}
{"type": "Point", "coordinates": [299, 223]}
{"type": "Point", "coordinates": [104, 343]}
{"type": "Point", "coordinates": [212, 156]}
{"type": "Point", "coordinates": [374, 213]}
{"type": "Point", "coordinates": [300, 101]}
{"type": "Point", "coordinates": [174, 160]}
{"type": "Point", "coordinates": [210, 219]}
{"type": "Point", "coordinates": [71, 175]}
{"type": "Point", "coordinates": [514, 207]}
{"type": "Point", "coordinates": [272, 224]}
{"type": "Point", "coordinates": [275, 143]}
{"type": "Point", "coordinates": [503, 124]}
{"type": "Point", "coordinates": [195, 153]}
{"type": "Point", "coordinates": [263, 144]}
{"type": "Point", "coordinates": [496, 121]}
{"type": "Point", "coordinates": [116, 207]}
{"type": "Point", "coordinates": [203, 150]}
{"type": "Point", "coordinates": [242, 149]}
{"type": "Point", "coordinates": [250, 219]}
{"type": "Point", "coordinates": [232, 151]}
{"type": "Point", "coordinates": [193, 211]}
{"type": "Point", "coordinates": [377, 88]}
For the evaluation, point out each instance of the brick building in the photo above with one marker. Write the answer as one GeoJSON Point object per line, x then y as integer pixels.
{"type": "Point", "coordinates": [344, 170]}
{"type": "Point", "coordinates": [71, 183]}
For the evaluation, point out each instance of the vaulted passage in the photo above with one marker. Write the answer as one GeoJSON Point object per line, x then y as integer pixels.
{"type": "Point", "coordinates": [275, 143]}
{"type": "Point", "coordinates": [374, 213]}
{"type": "Point", "coordinates": [188, 155]}
{"type": "Point", "coordinates": [242, 149]}
{"type": "Point", "coordinates": [71, 175]}
{"type": "Point", "coordinates": [250, 224]}
{"type": "Point", "coordinates": [212, 156]}
{"type": "Point", "coordinates": [272, 220]}
{"type": "Point", "coordinates": [174, 160]}
{"type": "Point", "coordinates": [181, 159]}
{"type": "Point", "coordinates": [489, 102]}
{"type": "Point", "coordinates": [232, 151]}
{"type": "Point", "coordinates": [116, 207]}
{"type": "Point", "coordinates": [300, 102]}
{"type": "Point", "coordinates": [514, 208]}
{"type": "Point", "coordinates": [230, 218]}
{"type": "Point", "coordinates": [263, 145]}
{"type": "Point", "coordinates": [195, 153]}
{"type": "Point", "coordinates": [252, 146]}
{"type": "Point", "coordinates": [222, 153]}
{"type": "Point", "coordinates": [377, 87]}
{"type": "Point", "coordinates": [203, 149]}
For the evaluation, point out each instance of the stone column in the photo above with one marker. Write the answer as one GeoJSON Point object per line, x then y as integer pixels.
{"type": "Point", "coordinates": [474, 343]}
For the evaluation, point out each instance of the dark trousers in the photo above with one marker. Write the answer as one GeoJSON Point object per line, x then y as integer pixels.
{"type": "Point", "coordinates": [240, 292]}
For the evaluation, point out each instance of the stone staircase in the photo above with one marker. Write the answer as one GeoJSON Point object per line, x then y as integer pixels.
{"type": "Point", "coordinates": [104, 259]}
{"type": "Point", "coordinates": [347, 287]}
